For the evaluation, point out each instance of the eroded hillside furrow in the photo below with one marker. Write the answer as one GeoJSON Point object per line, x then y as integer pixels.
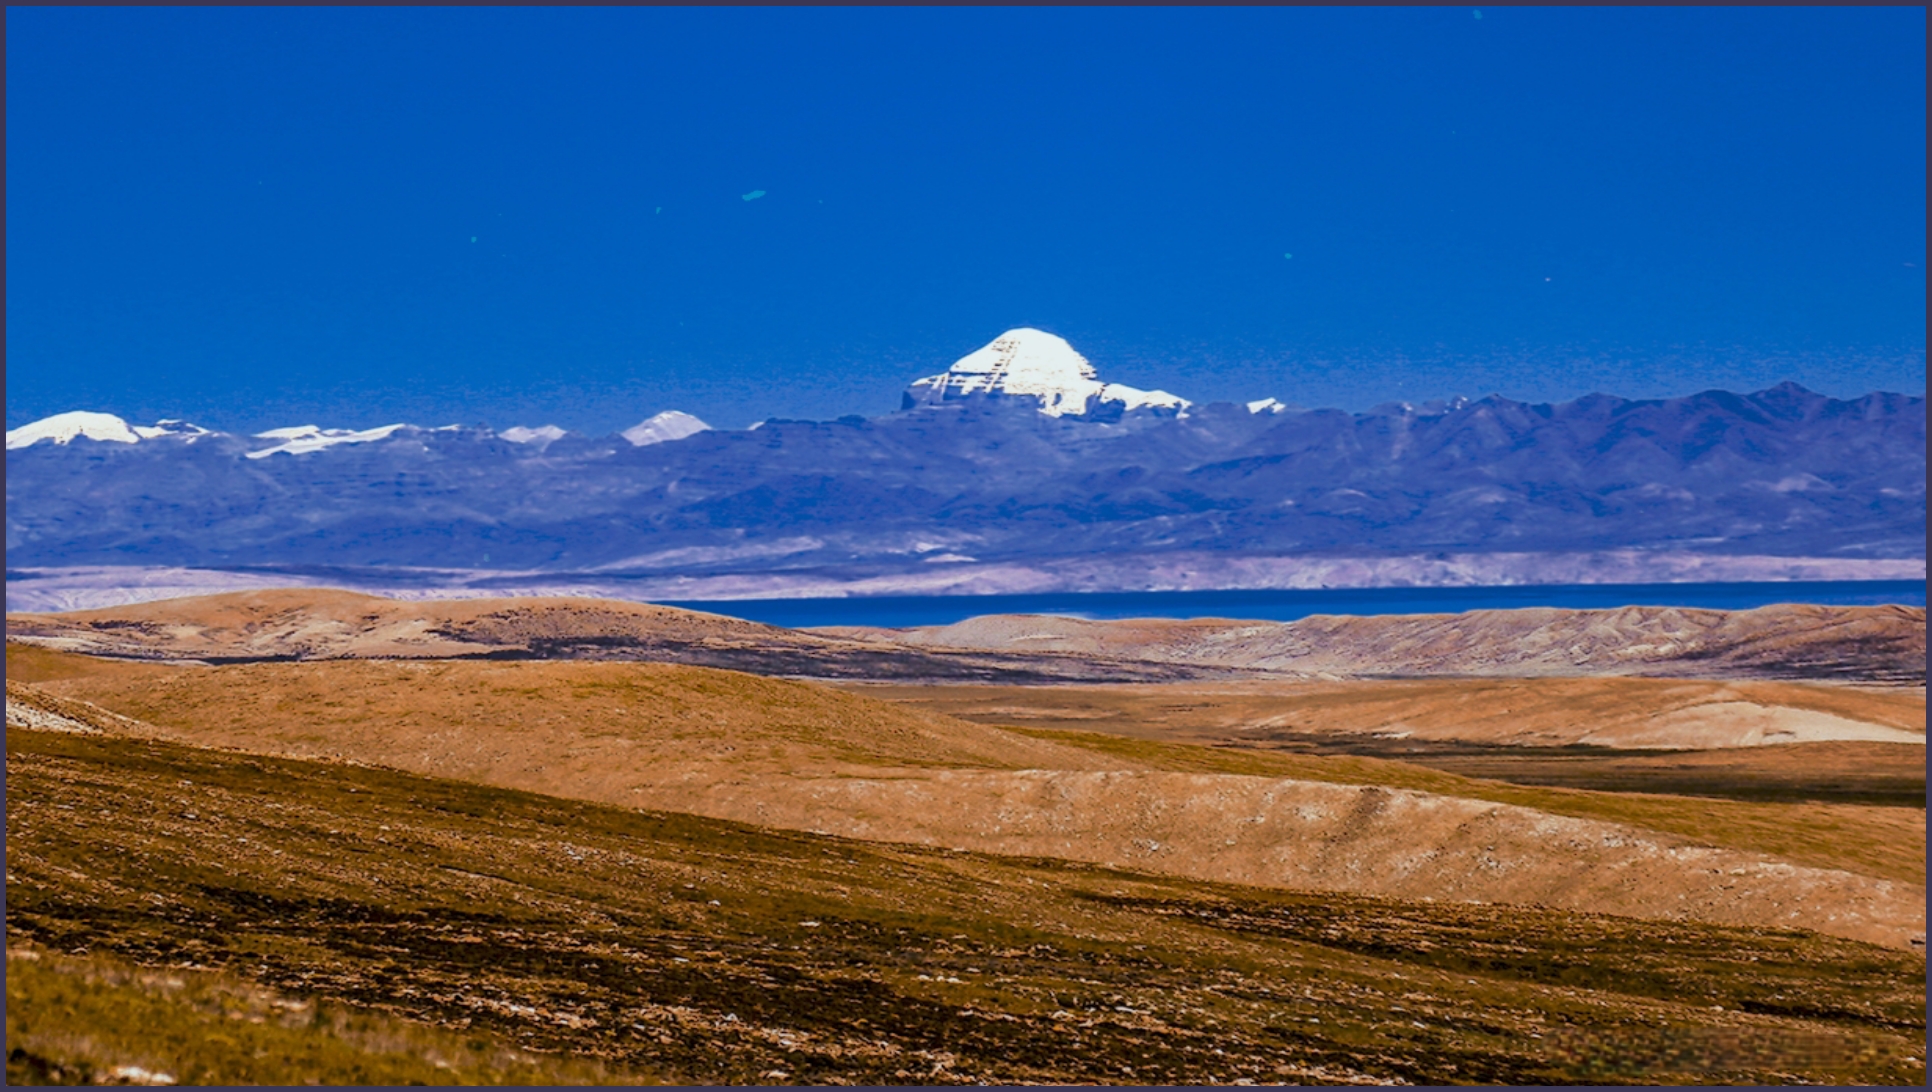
{"type": "Point", "coordinates": [1310, 836]}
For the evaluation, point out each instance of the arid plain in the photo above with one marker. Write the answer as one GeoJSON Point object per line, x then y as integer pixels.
{"type": "Point", "coordinates": [318, 835]}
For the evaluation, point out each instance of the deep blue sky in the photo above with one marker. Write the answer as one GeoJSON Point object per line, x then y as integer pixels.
{"type": "Point", "coordinates": [259, 217]}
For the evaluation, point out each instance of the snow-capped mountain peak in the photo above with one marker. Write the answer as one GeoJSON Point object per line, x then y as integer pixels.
{"type": "Point", "coordinates": [302, 439]}
{"type": "Point", "coordinates": [63, 428]}
{"type": "Point", "coordinates": [669, 425]}
{"type": "Point", "coordinates": [1033, 363]}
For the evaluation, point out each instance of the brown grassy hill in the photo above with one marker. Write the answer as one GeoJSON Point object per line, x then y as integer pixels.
{"type": "Point", "coordinates": [805, 756]}
{"type": "Point", "coordinates": [322, 624]}
{"type": "Point", "coordinates": [1748, 740]}
{"type": "Point", "coordinates": [547, 726]}
{"type": "Point", "coordinates": [1548, 712]}
{"type": "Point", "coordinates": [316, 623]}
{"type": "Point", "coordinates": [712, 952]}
{"type": "Point", "coordinates": [1787, 641]}
{"type": "Point", "coordinates": [1884, 645]}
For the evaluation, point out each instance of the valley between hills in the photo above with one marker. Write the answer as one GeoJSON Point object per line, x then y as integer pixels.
{"type": "Point", "coordinates": [563, 841]}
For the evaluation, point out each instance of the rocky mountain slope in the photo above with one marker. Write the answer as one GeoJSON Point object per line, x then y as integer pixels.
{"type": "Point", "coordinates": [1017, 458]}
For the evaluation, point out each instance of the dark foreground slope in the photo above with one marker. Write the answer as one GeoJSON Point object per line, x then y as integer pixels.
{"type": "Point", "coordinates": [99, 1019]}
{"type": "Point", "coordinates": [712, 951]}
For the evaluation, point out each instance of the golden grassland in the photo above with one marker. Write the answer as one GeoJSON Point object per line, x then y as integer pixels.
{"type": "Point", "coordinates": [1887, 842]}
{"type": "Point", "coordinates": [368, 871]}
{"type": "Point", "coordinates": [793, 754]}
{"type": "Point", "coordinates": [591, 730]}
{"type": "Point", "coordinates": [1477, 710]}
{"type": "Point", "coordinates": [699, 950]}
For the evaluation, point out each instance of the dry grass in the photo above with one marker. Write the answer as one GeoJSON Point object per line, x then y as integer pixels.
{"type": "Point", "coordinates": [1553, 711]}
{"type": "Point", "coordinates": [683, 736]}
{"type": "Point", "coordinates": [1888, 843]}
{"type": "Point", "coordinates": [508, 722]}
{"type": "Point", "coordinates": [723, 953]}
{"type": "Point", "coordinates": [33, 664]}
{"type": "Point", "coordinates": [97, 1019]}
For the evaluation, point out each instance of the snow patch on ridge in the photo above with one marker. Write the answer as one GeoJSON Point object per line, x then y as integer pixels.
{"type": "Point", "coordinates": [169, 426]}
{"type": "Point", "coordinates": [542, 436]}
{"type": "Point", "coordinates": [666, 426]}
{"type": "Point", "coordinates": [1036, 364]}
{"type": "Point", "coordinates": [302, 439]}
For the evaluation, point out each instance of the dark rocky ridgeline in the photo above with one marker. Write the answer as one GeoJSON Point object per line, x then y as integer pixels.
{"type": "Point", "coordinates": [842, 662]}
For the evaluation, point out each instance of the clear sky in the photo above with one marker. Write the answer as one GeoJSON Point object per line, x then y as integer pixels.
{"type": "Point", "coordinates": [352, 216]}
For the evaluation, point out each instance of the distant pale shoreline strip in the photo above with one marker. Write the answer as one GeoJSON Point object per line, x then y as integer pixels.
{"type": "Point", "coordinates": [88, 587]}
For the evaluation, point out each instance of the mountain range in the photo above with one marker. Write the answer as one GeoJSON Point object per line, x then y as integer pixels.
{"type": "Point", "coordinates": [1017, 469]}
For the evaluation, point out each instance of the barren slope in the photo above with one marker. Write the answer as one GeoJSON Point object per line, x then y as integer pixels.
{"type": "Point", "coordinates": [808, 757]}
{"type": "Point", "coordinates": [321, 624]}
{"type": "Point", "coordinates": [711, 952]}
{"type": "Point", "coordinates": [1785, 641]}
{"type": "Point", "coordinates": [1607, 712]}
{"type": "Point", "coordinates": [1883, 645]}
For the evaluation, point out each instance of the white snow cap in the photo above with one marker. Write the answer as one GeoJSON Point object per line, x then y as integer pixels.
{"type": "Point", "coordinates": [302, 439]}
{"type": "Point", "coordinates": [63, 428]}
{"type": "Point", "coordinates": [542, 436]}
{"type": "Point", "coordinates": [669, 425]}
{"type": "Point", "coordinates": [1267, 405]}
{"type": "Point", "coordinates": [1033, 362]}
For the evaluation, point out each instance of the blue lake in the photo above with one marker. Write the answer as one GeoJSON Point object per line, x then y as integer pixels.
{"type": "Point", "coordinates": [1286, 606]}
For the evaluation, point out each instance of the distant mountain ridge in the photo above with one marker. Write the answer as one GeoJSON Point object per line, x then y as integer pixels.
{"type": "Point", "coordinates": [1023, 461]}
